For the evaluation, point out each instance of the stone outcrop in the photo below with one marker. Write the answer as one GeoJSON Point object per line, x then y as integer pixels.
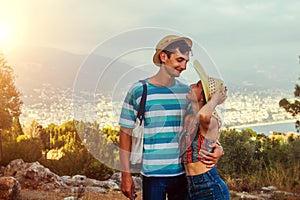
{"type": "Point", "coordinates": [9, 188]}
{"type": "Point", "coordinates": [137, 180]}
{"type": "Point", "coordinates": [35, 176]}
{"type": "Point", "coordinates": [18, 174]}
{"type": "Point", "coordinates": [266, 193]}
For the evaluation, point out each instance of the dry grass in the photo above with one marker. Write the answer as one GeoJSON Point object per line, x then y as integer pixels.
{"type": "Point", "coordinates": [42, 195]}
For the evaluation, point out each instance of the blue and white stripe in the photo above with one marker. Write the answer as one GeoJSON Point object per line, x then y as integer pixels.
{"type": "Point", "coordinates": [165, 108]}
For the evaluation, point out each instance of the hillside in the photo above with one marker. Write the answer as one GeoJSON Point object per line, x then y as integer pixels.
{"type": "Point", "coordinates": [35, 66]}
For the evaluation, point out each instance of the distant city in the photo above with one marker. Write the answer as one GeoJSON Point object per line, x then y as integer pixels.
{"type": "Point", "coordinates": [55, 105]}
{"type": "Point", "coordinates": [48, 69]}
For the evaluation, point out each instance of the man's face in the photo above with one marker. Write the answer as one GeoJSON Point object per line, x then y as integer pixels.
{"type": "Point", "coordinates": [176, 63]}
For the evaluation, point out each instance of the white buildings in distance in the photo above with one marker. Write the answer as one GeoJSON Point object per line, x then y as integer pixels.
{"type": "Point", "coordinates": [54, 105]}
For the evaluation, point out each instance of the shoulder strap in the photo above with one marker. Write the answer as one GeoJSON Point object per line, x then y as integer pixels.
{"type": "Point", "coordinates": [141, 111]}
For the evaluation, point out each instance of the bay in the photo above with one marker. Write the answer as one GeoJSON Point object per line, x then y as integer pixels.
{"type": "Point", "coordinates": [269, 128]}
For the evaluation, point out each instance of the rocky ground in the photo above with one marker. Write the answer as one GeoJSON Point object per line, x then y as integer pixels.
{"type": "Point", "coordinates": [42, 195]}
{"type": "Point", "coordinates": [117, 195]}
{"type": "Point", "coordinates": [32, 181]}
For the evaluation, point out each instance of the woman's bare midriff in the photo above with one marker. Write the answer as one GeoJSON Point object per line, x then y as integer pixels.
{"type": "Point", "coordinates": [195, 168]}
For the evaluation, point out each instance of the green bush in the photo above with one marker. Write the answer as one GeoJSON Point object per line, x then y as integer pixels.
{"type": "Point", "coordinates": [25, 148]}
{"type": "Point", "coordinates": [79, 156]}
{"type": "Point", "coordinates": [252, 160]}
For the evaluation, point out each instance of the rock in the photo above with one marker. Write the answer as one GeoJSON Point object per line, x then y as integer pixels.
{"type": "Point", "coordinates": [79, 191]}
{"type": "Point", "coordinates": [244, 195]}
{"type": "Point", "coordinates": [71, 198]}
{"type": "Point", "coordinates": [270, 195]}
{"type": "Point", "coordinates": [14, 168]}
{"type": "Point", "coordinates": [117, 177]}
{"type": "Point", "coordinates": [279, 193]}
{"type": "Point", "coordinates": [79, 177]}
{"type": "Point", "coordinates": [75, 180]}
{"type": "Point", "coordinates": [269, 188]}
{"type": "Point", "coordinates": [137, 183]}
{"type": "Point", "coordinates": [109, 184]}
{"type": "Point", "coordinates": [266, 196]}
{"type": "Point", "coordinates": [79, 180]}
{"type": "Point", "coordinates": [66, 179]}
{"type": "Point", "coordinates": [9, 188]}
{"type": "Point", "coordinates": [2, 170]}
{"type": "Point", "coordinates": [137, 180]}
{"type": "Point", "coordinates": [96, 189]}
{"type": "Point", "coordinates": [34, 175]}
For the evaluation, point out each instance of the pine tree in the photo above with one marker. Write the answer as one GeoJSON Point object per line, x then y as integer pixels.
{"type": "Point", "coordinates": [10, 102]}
{"type": "Point", "coordinates": [293, 107]}
{"type": "Point", "coordinates": [16, 128]}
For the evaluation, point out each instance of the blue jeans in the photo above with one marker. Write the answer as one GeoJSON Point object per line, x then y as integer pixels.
{"type": "Point", "coordinates": [207, 186]}
{"type": "Point", "coordinates": [157, 188]}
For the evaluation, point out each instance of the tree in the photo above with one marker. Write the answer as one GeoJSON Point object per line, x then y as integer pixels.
{"type": "Point", "coordinates": [293, 107]}
{"type": "Point", "coordinates": [33, 129]}
{"type": "Point", "coordinates": [10, 102]}
{"type": "Point", "coordinates": [241, 149]}
{"type": "Point", "coordinates": [16, 128]}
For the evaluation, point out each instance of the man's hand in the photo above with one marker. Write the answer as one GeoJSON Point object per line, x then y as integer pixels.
{"type": "Point", "coordinates": [211, 159]}
{"type": "Point", "coordinates": [127, 185]}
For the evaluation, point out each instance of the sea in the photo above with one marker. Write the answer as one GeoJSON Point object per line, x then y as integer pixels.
{"type": "Point", "coordinates": [269, 128]}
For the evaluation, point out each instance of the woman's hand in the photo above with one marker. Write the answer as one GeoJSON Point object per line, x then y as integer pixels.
{"type": "Point", "coordinates": [220, 95]}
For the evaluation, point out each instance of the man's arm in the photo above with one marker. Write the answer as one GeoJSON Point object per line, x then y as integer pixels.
{"type": "Point", "coordinates": [127, 184]}
{"type": "Point", "coordinates": [211, 159]}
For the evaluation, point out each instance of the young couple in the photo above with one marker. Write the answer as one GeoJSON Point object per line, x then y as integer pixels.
{"type": "Point", "coordinates": [180, 130]}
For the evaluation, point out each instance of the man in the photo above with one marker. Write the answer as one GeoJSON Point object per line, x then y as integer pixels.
{"type": "Point", "coordinates": [163, 174]}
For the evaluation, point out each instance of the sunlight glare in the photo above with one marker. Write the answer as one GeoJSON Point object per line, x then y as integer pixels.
{"type": "Point", "coordinates": [8, 35]}
{"type": "Point", "coordinates": [3, 34]}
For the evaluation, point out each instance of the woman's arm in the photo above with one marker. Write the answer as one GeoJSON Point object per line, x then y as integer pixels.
{"type": "Point", "coordinates": [206, 111]}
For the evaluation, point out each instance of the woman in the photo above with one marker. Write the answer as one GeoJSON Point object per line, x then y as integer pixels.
{"type": "Point", "coordinates": [201, 130]}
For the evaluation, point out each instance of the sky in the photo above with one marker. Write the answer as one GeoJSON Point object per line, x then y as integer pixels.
{"type": "Point", "coordinates": [237, 34]}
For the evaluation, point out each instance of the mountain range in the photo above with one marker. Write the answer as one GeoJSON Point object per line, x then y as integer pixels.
{"type": "Point", "coordinates": [37, 66]}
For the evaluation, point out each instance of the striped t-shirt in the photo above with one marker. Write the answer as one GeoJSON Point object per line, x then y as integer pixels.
{"type": "Point", "coordinates": [164, 112]}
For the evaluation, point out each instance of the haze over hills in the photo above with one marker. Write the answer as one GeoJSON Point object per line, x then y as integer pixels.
{"type": "Point", "coordinates": [57, 86]}
{"type": "Point", "coordinates": [37, 66]}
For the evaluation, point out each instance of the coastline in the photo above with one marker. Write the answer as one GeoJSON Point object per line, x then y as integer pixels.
{"type": "Point", "coordinates": [262, 124]}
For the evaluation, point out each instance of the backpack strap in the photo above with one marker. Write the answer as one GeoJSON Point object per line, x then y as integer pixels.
{"type": "Point", "coordinates": [141, 111]}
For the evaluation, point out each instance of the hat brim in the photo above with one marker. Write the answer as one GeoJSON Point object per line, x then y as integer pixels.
{"type": "Point", "coordinates": [203, 77]}
{"type": "Point", "coordinates": [156, 59]}
{"type": "Point", "coordinates": [208, 83]}
{"type": "Point", "coordinates": [205, 85]}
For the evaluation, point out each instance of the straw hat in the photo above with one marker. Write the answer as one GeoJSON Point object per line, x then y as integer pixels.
{"type": "Point", "coordinates": [210, 85]}
{"type": "Point", "coordinates": [166, 41]}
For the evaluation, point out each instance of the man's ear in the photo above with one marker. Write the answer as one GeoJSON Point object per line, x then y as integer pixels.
{"type": "Point", "coordinates": [163, 57]}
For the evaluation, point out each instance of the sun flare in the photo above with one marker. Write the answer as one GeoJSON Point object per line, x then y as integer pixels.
{"type": "Point", "coordinates": [4, 33]}
{"type": "Point", "coordinates": [9, 36]}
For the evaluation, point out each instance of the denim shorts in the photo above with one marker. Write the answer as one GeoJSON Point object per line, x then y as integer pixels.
{"type": "Point", "coordinates": [207, 186]}
{"type": "Point", "coordinates": [158, 188]}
